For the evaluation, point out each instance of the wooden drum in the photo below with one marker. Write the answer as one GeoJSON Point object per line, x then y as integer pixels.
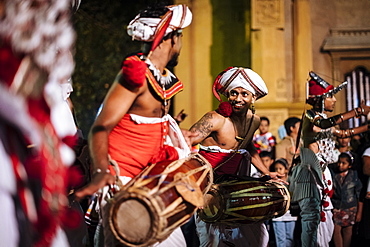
{"type": "Point", "coordinates": [245, 202]}
{"type": "Point", "coordinates": [163, 197]}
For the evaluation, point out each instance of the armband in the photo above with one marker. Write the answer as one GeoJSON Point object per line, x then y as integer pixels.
{"type": "Point", "coordinates": [351, 132]}
{"type": "Point", "coordinates": [345, 133]}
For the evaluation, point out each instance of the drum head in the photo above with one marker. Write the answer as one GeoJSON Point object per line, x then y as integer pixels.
{"type": "Point", "coordinates": [213, 207]}
{"type": "Point", "coordinates": [132, 222]}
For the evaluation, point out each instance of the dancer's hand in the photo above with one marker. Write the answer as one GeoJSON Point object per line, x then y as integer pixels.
{"type": "Point", "coordinates": [366, 109]}
{"type": "Point", "coordinates": [189, 136]}
{"type": "Point", "coordinates": [99, 180]}
{"type": "Point", "coordinates": [276, 178]}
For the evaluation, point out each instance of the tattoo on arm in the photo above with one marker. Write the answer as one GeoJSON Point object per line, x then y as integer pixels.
{"type": "Point", "coordinates": [204, 126]}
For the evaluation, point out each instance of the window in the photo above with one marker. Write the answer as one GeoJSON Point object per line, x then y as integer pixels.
{"type": "Point", "coordinates": [358, 89]}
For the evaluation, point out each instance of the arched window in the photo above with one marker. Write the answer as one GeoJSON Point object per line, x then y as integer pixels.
{"type": "Point", "coordinates": [358, 89]}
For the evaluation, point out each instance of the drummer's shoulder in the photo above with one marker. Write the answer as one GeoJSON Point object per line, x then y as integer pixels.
{"type": "Point", "coordinates": [210, 120]}
{"type": "Point", "coordinates": [215, 119]}
{"type": "Point", "coordinates": [214, 115]}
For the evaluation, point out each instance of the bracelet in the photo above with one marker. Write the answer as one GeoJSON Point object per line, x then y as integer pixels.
{"type": "Point", "coordinates": [98, 170]}
{"type": "Point", "coordinates": [352, 132]}
{"type": "Point", "coordinates": [341, 117]}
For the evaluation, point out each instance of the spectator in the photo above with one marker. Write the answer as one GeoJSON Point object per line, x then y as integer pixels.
{"type": "Point", "coordinates": [264, 141]}
{"type": "Point", "coordinates": [267, 159]}
{"type": "Point", "coordinates": [287, 147]}
{"type": "Point", "coordinates": [284, 225]}
{"type": "Point", "coordinates": [347, 187]}
{"type": "Point", "coordinates": [343, 145]}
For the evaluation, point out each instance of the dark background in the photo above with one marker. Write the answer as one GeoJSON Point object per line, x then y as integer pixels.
{"type": "Point", "coordinates": [101, 44]}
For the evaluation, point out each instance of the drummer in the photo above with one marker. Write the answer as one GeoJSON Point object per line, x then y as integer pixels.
{"type": "Point", "coordinates": [225, 137]}
{"type": "Point", "coordinates": [133, 125]}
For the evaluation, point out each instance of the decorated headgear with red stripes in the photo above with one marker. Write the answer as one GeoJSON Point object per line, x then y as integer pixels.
{"type": "Point", "coordinates": [153, 29]}
{"type": "Point", "coordinates": [318, 87]}
{"type": "Point", "coordinates": [234, 77]}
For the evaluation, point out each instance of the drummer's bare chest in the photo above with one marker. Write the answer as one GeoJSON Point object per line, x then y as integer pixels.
{"type": "Point", "coordinates": [231, 135]}
{"type": "Point", "coordinates": [148, 105]}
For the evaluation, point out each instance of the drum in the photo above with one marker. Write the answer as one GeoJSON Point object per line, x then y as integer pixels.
{"type": "Point", "coordinates": [244, 202]}
{"type": "Point", "coordinates": [163, 197]}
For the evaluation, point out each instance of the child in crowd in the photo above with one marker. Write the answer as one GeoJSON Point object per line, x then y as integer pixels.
{"type": "Point", "coordinates": [284, 225]}
{"type": "Point", "coordinates": [264, 141]}
{"type": "Point", "coordinates": [342, 145]}
{"type": "Point", "coordinates": [347, 187]}
{"type": "Point", "coordinates": [267, 159]}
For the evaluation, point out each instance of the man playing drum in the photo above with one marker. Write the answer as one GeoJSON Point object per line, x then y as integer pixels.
{"type": "Point", "coordinates": [133, 126]}
{"type": "Point", "coordinates": [225, 136]}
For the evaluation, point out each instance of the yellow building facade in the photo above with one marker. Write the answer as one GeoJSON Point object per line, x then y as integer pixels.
{"type": "Point", "coordinates": [280, 40]}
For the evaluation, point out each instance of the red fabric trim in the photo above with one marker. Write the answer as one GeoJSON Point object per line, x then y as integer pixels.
{"type": "Point", "coordinates": [164, 94]}
{"type": "Point", "coordinates": [9, 64]}
{"type": "Point", "coordinates": [230, 167]}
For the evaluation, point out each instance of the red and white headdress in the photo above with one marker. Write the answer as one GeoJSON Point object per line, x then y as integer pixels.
{"type": "Point", "coordinates": [234, 77]}
{"type": "Point", "coordinates": [148, 28]}
{"type": "Point", "coordinates": [318, 87]}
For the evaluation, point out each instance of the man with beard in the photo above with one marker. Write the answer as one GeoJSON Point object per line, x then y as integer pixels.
{"type": "Point", "coordinates": [133, 126]}
{"type": "Point", "coordinates": [225, 137]}
{"type": "Point", "coordinates": [310, 182]}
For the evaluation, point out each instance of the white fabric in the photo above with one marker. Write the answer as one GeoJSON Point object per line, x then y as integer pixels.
{"type": "Point", "coordinates": [61, 117]}
{"type": "Point", "coordinates": [7, 178]}
{"type": "Point", "coordinates": [367, 153]}
{"type": "Point", "coordinates": [325, 230]}
{"type": "Point", "coordinates": [147, 120]}
{"type": "Point", "coordinates": [67, 89]}
{"type": "Point", "coordinates": [255, 173]}
{"type": "Point", "coordinates": [241, 81]}
{"type": "Point", "coordinates": [175, 239]}
{"type": "Point", "coordinates": [175, 138]}
{"type": "Point", "coordinates": [217, 149]}
{"type": "Point", "coordinates": [286, 217]}
{"type": "Point", "coordinates": [246, 235]}
{"type": "Point", "coordinates": [9, 235]}
{"type": "Point", "coordinates": [143, 29]}
{"type": "Point", "coordinates": [60, 239]}
{"type": "Point", "coordinates": [13, 109]}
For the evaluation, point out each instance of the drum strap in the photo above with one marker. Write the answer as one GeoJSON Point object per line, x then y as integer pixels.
{"type": "Point", "coordinates": [116, 169]}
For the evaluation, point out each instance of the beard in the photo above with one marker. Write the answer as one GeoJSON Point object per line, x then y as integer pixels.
{"type": "Point", "coordinates": [174, 61]}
